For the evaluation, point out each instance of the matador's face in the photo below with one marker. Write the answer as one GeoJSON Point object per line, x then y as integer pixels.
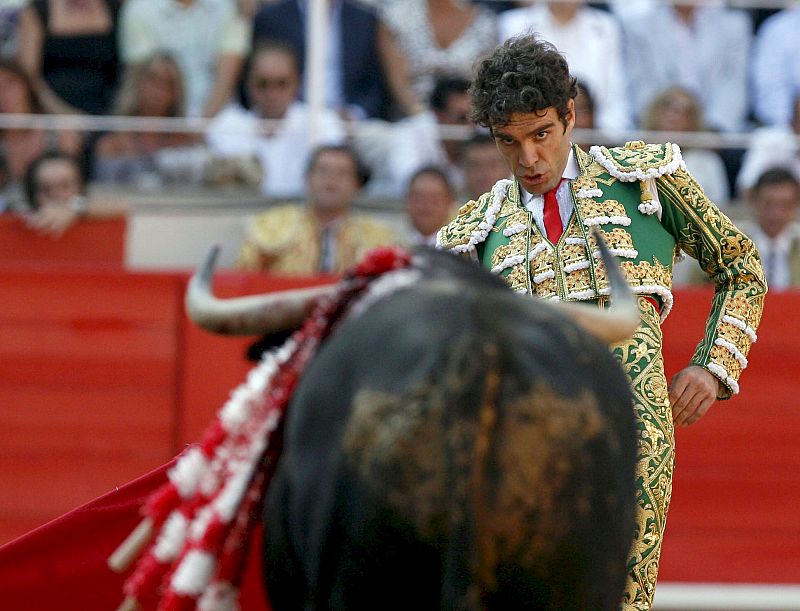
{"type": "Point", "coordinates": [535, 146]}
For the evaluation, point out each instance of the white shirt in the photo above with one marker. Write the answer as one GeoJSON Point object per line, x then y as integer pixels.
{"type": "Point", "coordinates": [710, 57]}
{"type": "Point", "coordinates": [770, 147]}
{"type": "Point", "coordinates": [408, 145]}
{"type": "Point", "coordinates": [776, 70]}
{"type": "Point", "coordinates": [592, 44]}
{"type": "Point", "coordinates": [196, 35]}
{"type": "Point", "coordinates": [237, 132]}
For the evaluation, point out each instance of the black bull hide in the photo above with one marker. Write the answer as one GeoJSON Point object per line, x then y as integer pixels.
{"type": "Point", "coordinates": [454, 447]}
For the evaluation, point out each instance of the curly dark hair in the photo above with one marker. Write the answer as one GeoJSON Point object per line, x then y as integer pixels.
{"type": "Point", "coordinates": [524, 74]}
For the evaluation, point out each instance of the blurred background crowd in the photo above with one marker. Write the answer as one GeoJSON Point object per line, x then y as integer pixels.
{"type": "Point", "coordinates": [107, 103]}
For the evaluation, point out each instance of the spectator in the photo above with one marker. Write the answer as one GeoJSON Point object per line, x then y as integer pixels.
{"type": "Point", "coordinates": [429, 205]}
{"type": "Point", "coordinates": [9, 24]}
{"type": "Point", "coordinates": [677, 109]}
{"type": "Point", "coordinates": [354, 74]}
{"type": "Point", "coordinates": [208, 38]}
{"type": "Point", "coordinates": [417, 141]}
{"type": "Point", "coordinates": [420, 40]}
{"type": "Point", "coordinates": [483, 165]}
{"type": "Point", "coordinates": [703, 48]}
{"type": "Point", "coordinates": [774, 146]}
{"type": "Point", "coordinates": [323, 236]}
{"type": "Point", "coordinates": [55, 188]}
{"type": "Point", "coordinates": [272, 85]}
{"type": "Point", "coordinates": [591, 40]}
{"type": "Point", "coordinates": [69, 50]}
{"type": "Point", "coordinates": [23, 145]}
{"type": "Point", "coordinates": [153, 88]}
{"type": "Point", "coordinates": [775, 70]}
{"type": "Point", "coordinates": [775, 199]}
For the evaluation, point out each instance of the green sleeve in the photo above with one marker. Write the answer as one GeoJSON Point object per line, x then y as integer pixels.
{"type": "Point", "coordinates": [731, 260]}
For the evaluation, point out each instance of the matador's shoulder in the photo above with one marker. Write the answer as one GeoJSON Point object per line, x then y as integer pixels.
{"type": "Point", "coordinates": [473, 221]}
{"type": "Point", "coordinates": [637, 160]}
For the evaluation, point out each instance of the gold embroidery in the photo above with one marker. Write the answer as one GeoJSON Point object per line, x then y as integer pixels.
{"type": "Point", "coordinates": [470, 215]}
{"type": "Point", "coordinates": [639, 156]}
{"type": "Point", "coordinates": [590, 208]}
{"type": "Point", "coordinates": [578, 281]}
{"type": "Point", "coordinates": [517, 278]}
{"type": "Point", "coordinates": [510, 207]}
{"type": "Point", "coordinates": [724, 358]}
{"type": "Point", "coordinates": [501, 253]}
{"type": "Point", "coordinates": [582, 183]}
{"type": "Point", "coordinates": [645, 273]}
{"type": "Point", "coordinates": [641, 359]}
{"type": "Point", "coordinates": [617, 239]}
{"type": "Point", "coordinates": [516, 218]}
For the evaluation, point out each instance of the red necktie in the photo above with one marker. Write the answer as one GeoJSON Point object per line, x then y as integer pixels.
{"type": "Point", "coordinates": [552, 216]}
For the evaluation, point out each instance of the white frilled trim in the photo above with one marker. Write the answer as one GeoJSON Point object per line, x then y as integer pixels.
{"type": "Point", "coordinates": [485, 226]}
{"type": "Point", "coordinates": [604, 220]}
{"type": "Point", "coordinates": [650, 207]}
{"type": "Point", "coordinates": [574, 241]}
{"type": "Point", "coordinates": [582, 295]}
{"type": "Point", "coordinates": [587, 193]}
{"type": "Point", "coordinates": [539, 278]}
{"type": "Point", "coordinates": [522, 291]}
{"type": "Point", "coordinates": [742, 326]}
{"type": "Point", "coordinates": [186, 473]}
{"type": "Point", "coordinates": [635, 174]}
{"type": "Point", "coordinates": [171, 538]}
{"type": "Point", "coordinates": [219, 597]}
{"type": "Point", "coordinates": [509, 261]}
{"type": "Point", "coordinates": [722, 374]}
{"type": "Point", "coordinates": [537, 250]}
{"type": "Point", "coordinates": [193, 573]}
{"type": "Point", "coordinates": [514, 229]}
{"type": "Point", "coordinates": [733, 350]}
{"type": "Point", "coordinates": [627, 253]}
{"type": "Point", "coordinates": [576, 266]}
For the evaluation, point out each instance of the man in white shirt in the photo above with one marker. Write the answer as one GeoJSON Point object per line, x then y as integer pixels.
{"type": "Point", "coordinates": [401, 148]}
{"type": "Point", "coordinates": [283, 148]}
{"type": "Point", "coordinates": [703, 48]}
{"type": "Point", "coordinates": [775, 71]}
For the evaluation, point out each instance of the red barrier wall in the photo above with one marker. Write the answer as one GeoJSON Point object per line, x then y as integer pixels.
{"type": "Point", "coordinates": [93, 241]}
{"type": "Point", "coordinates": [103, 378]}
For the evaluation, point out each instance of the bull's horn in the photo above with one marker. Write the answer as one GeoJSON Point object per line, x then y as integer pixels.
{"type": "Point", "coordinates": [620, 320]}
{"type": "Point", "coordinates": [257, 314]}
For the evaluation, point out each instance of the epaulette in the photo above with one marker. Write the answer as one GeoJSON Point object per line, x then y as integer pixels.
{"type": "Point", "coordinates": [473, 221]}
{"type": "Point", "coordinates": [639, 161]}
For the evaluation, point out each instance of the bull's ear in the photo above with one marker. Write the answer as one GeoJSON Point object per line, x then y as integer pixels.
{"type": "Point", "coordinates": [620, 320]}
{"type": "Point", "coordinates": [254, 315]}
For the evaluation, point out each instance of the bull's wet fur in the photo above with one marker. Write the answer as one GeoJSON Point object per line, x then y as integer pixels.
{"type": "Point", "coordinates": [454, 447]}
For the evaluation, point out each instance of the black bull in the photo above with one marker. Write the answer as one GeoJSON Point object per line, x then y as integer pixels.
{"type": "Point", "coordinates": [454, 447]}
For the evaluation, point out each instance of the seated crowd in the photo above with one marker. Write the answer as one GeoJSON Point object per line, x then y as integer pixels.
{"type": "Point", "coordinates": [396, 75]}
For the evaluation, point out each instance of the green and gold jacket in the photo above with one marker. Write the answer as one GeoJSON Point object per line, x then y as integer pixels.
{"type": "Point", "coordinates": [646, 234]}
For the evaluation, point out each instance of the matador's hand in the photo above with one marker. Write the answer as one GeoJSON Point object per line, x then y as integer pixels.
{"type": "Point", "coordinates": [692, 391]}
